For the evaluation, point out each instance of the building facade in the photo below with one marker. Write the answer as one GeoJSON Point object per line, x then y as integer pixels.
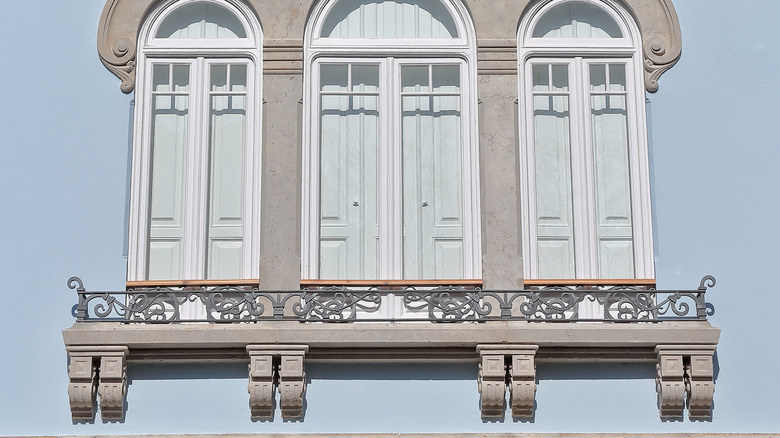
{"type": "Point", "coordinates": [439, 216]}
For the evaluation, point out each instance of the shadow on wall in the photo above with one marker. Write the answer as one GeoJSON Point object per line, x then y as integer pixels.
{"type": "Point", "coordinates": [391, 371]}
{"type": "Point", "coordinates": [596, 371]}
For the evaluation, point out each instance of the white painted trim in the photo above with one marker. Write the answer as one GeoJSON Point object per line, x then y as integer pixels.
{"type": "Point", "coordinates": [239, 10]}
{"type": "Point", "coordinates": [585, 50]}
{"type": "Point", "coordinates": [458, 12]}
{"type": "Point", "coordinates": [196, 52]}
{"type": "Point", "coordinates": [395, 51]}
{"type": "Point", "coordinates": [622, 17]}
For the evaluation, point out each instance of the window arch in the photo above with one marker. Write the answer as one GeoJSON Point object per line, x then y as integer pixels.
{"type": "Point", "coordinates": [196, 158]}
{"type": "Point", "coordinates": [585, 183]}
{"type": "Point", "coordinates": [390, 154]}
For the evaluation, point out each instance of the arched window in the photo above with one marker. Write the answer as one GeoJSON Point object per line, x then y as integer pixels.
{"type": "Point", "coordinates": [585, 183]}
{"type": "Point", "coordinates": [196, 157]}
{"type": "Point", "coordinates": [390, 153]}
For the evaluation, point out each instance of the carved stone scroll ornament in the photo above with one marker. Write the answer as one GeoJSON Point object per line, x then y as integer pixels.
{"type": "Point", "coordinates": [500, 364]}
{"type": "Point", "coordinates": [118, 36]}
{"type": "Point", "coordinates": [87, 380]}
{"type": "Point", "coordinates": [272, 366]}
{"type": "Point", "coordinates": [661, 37]}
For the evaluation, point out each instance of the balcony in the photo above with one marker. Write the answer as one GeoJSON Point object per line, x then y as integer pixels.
{"type": "Point", "coordinates": [506, 331]}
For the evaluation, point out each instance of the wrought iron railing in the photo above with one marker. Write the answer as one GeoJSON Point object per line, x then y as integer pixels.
{"type": "Point", "coordinates": [241, 304]}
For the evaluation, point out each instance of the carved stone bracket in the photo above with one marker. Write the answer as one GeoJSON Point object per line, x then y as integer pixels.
{"type": "Point", "coordinates": [97, 371]}
{"type": "Point", "coordinates": [82, 387]}
{"type": "Point", "coordinates": [685, 373]}
{"type": "Point", "coordinates": [261, 386]}
{"type": "Point", "coordinates": [522, 383]}
{"type": "Point", "coordinates": [279, 366]}
{"type": "Point", "coordinates": [502, 364]}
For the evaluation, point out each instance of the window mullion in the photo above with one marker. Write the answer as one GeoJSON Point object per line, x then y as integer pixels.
{"type": "Point", "coordinates": [582, 178]}
{"type": "Point", "coordinates": [197, 173]}
{"type": "Point", "coordinates": [390, 167]}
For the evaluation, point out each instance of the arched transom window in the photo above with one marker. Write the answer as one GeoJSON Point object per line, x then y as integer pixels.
{"type": "Point", "coordinates": [390, 160]}
{"type": "Point", "coordinates": [196, 143]}
{"type": "Point", "coordinates": [585, 184]}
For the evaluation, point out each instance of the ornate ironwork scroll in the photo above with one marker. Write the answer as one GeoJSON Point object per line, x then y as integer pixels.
{"type": "Point", "coordinates": [227, 304]}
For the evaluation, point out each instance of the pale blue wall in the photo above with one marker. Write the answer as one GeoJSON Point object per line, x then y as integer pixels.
{"type": "Point", "coordinates": [62, 188]}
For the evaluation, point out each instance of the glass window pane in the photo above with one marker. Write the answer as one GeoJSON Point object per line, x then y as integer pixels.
{"type": "Point", "coordinates": [160, 77]}
{"type": "Point", "coordinates": [415, 78]}
{"type": "Point", "coordinates": [577, 20]}
{"type": "Point", "coordinates": [201, 20]}
{"type": "Point", "coordinates": [365, 77]}
{"type": "Point", "coordinates": [446, 78]}
{"type": "Point", "coordinates": [333, 77]}
{"type": "Point", "coordinates": [219, 77]}
{"type": "Point", "coordinates": [181, 77]}
{"type": "Point", "coordinates": [560, 77]}
{"type": "Point", "coordinates": [598, 77]}
{"type": "Point", "coordinates": [617, 77]}
{"type": "Point", "coordinates": [238, 77]}
{"type": "Point", "coordinates": [389, 19]}
{"type": "Point", "coordinates": [541, 77]}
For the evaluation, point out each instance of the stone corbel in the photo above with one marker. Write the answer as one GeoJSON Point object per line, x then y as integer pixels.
{"type": "Point", "coordinates": [700, 384]}
{"type": "Point", "coordinates": [261, 386]}
{"type": "Point", "coordinates": [97, 371]}
{"type": "Point", "coordinates": [492, 385]}
{"type": "Point", "coordinates": [279, 366]}
{"type": "Point", "coordinates": [82, 387]}
{"type": "Point", "coordinates": [499, 364]}
{"type": "Point", "coordinates": [522, 383]}
{"type": "Point", "coordinates": [292, 384]}
{"type": "Point", "coordinates": [685, 372]}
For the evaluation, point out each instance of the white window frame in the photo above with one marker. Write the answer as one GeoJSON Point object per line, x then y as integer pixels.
{"type": "Point", "coordinates": [199, 54]}
{"type": "Point", "coordinates": [580, 52]}
{"type": "Point", "coordinates": [398, 51]}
